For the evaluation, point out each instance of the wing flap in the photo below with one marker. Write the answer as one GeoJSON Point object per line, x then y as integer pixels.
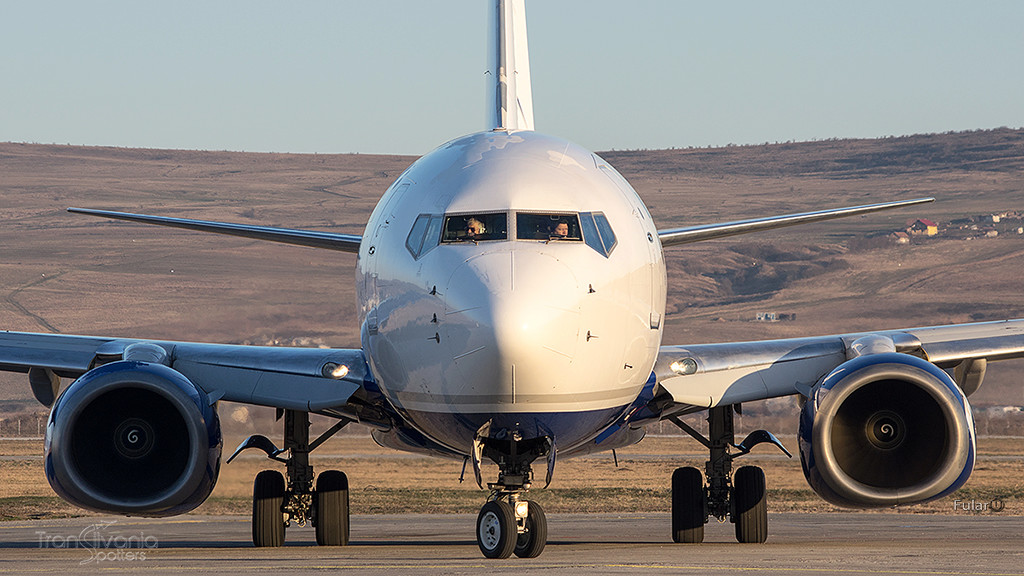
{"type": "Point", "coordinates": [946, 346]}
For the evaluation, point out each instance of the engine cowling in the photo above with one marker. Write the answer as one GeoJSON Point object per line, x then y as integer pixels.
{"type": "Point", "coordinates": [133, 438]}
{"type": "Point", "coordinates": [886, 429]}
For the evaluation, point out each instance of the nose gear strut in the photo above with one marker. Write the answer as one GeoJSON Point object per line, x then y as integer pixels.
{"type": "Point", "coordinates": [507, 523]}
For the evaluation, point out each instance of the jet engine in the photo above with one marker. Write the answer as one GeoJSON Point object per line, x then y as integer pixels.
{"type": "Point", "coordinates": [886, 429]}
{"type": "Point", "coordinates": [133, 438]}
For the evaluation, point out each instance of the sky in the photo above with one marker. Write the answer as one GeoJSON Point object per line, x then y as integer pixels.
{"type": "Point", "coordinates": [404, 76]}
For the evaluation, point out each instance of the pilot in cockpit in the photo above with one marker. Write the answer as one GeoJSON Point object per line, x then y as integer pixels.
{"type": "Point", "coordinates": [560, 231]}
{"type": "Point", "coordinates": [475, 229]}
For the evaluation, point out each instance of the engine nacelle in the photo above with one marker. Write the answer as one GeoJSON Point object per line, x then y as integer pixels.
{"type": "Point", "coordinates": [133, 438]}
{"type": "Point", "coordinates": [884, 430]}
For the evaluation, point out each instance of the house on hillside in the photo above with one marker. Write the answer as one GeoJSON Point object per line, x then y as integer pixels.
{"type": "Point", "coordinates": [923, 227]}
{"type": "Point", "coordinates": [775, 317]}
{"type": "Point", "coordinates": [900, 237]}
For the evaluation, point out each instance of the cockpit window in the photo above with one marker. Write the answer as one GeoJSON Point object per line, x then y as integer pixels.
{"type": "Point", "coordinates": [548, 227]}
{"type": "Point", "coordinates": [424, 235]}
{"type": "Point", "coordinates": [598, 232]}
{"type": "Point", "coordinates": [415, 240]}
{"type": "Point", "coordinates": [475, 227]}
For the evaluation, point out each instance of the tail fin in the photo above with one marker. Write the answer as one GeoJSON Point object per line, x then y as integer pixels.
{"type": "Point", "coordinates": [509, 97]}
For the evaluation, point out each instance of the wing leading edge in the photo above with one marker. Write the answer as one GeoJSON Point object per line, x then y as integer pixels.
{"type": "Point", "coordinates": [289, 378]}
{"type": "Point", "coordinates": [709, 375]}
{"type": "Point", "coordinates": [690, 234]}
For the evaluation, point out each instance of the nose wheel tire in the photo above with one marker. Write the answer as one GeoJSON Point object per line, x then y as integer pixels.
{"type": "Point", "coordinates": [330, 501]}
{"type": "Point", "coordinates": [267, 517]}
{"type": "Point", "coordinates": [531, 542]}
{"type": "Point", "coordinates": [689, 502]}
{"type": "Point", "coordinates": [751, 505]}
{"type": "Point", "coordinates": [496, 529]}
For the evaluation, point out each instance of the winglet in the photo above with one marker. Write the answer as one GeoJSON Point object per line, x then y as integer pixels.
{"type": "Point", "coordinates": [509, 96]}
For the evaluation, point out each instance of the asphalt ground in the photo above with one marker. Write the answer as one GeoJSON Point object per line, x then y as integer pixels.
{"type": "Point", "coordinates": [967, 542]}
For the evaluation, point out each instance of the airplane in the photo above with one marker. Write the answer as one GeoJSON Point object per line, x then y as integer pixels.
{"type": "Point", "coordinates": [511, 295]}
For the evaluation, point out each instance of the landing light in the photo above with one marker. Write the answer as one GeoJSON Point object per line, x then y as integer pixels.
{"type": "Point", "coordinates": [684, 367]}
{"type": "Point", "coordinates": [334, 370]}
{"type": "Point", "coordinates": [522, 509]}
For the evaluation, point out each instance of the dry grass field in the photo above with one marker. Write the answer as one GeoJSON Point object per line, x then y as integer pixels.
{"type": "Point", "coordinates": [75, 274]}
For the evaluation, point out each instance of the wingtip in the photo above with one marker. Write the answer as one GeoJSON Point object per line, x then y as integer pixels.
{"type": "Point", "coordinates": [911, 202]}
{"type": "Point", "coordinates": [88, 211]}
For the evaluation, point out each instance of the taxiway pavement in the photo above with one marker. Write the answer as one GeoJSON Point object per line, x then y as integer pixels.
{"type": "Point", "coordinates": [849, 544]}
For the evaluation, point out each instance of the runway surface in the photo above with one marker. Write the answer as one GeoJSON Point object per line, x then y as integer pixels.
{"type": "Point", "coordinates": [848, 544]}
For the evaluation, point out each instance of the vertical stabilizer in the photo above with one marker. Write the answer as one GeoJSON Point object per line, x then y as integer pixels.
{"type": "Point", "coordinates": [509, 97]}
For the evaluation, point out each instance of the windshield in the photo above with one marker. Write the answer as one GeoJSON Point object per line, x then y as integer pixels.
{"type": "Point", "coordinates": [548, 227]}
{"type": "Point", "coordinates": [475, 227]}
{"type": "Point", "coordinates": [598, 232]}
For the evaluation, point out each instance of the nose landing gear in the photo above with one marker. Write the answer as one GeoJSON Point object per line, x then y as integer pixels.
{"type": "Point", "coordinates": [507, 523]}
{"type": "Point", "coordinates": [496, 529]}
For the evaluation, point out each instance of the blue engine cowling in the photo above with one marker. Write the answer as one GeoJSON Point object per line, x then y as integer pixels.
{"type": "Point", "coordinates": [133, 438]}
{"type": "Point", "coordinates": [884, 430]}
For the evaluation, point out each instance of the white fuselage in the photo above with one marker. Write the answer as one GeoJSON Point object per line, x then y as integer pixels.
{"type": "Point", "coordinates": [537, 335]}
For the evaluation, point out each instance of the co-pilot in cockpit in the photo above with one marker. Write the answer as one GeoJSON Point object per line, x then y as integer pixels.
{"type": "Point", "coordinates": [547, 227]}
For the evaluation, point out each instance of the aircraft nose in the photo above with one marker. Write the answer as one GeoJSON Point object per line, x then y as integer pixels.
{"type": "Point", "coordinates": [512, 323]}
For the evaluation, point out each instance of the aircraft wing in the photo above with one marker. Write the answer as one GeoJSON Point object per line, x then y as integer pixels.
{"type": "Point", "coordinates": [306, 379]}
{"type": "Point", "coordinates": [311, 238]}
{"type": "Point", "coordinates": [709, 375]}
{"type": "Point", "coordinates": [690, 234]}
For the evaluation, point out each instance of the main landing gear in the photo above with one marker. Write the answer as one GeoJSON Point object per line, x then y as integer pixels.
{"type": "Point", "coordinates": [276, 505]}
{"type": "Point", "coordinates": [740, 497]}
{"type": "Point", "coordinates": [507, 523]}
